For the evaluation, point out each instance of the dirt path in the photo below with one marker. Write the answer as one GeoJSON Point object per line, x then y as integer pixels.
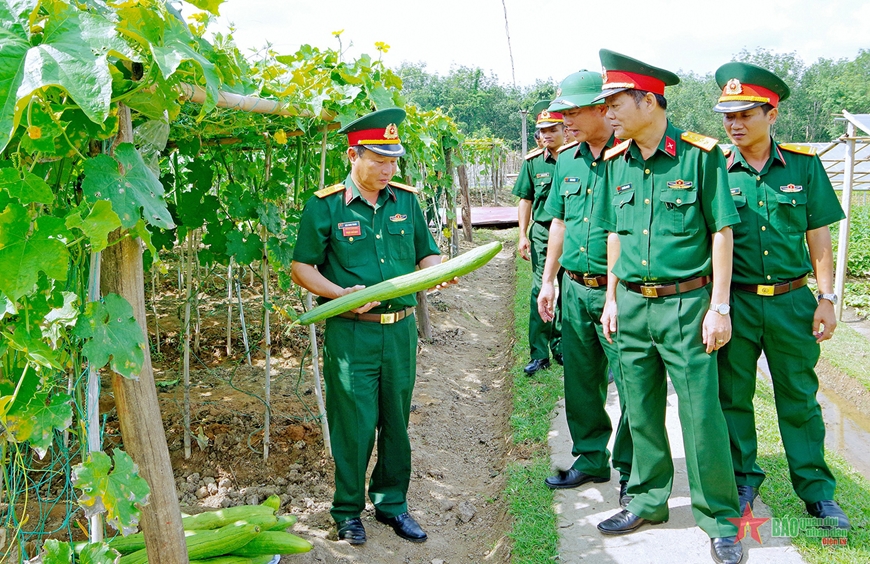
{"type": "Point", "coordinates": [459, 433]}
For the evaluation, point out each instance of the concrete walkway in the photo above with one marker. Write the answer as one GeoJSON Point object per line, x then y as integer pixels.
{"type": "Point", "coordinates": [679, 540]}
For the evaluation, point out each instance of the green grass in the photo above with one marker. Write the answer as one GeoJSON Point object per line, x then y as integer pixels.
{"type": "Point", "coordinates": [849, 352]}
{"type": "Point", "coordinates": [853, 491]}
{"type": "Point", "coordinates": [534, 531]}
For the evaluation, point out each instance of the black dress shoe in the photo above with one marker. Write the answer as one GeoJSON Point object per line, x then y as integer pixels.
{"type": "Point", "coordinates": [623, 523]}
{"type": "Point", "coordinates": [726, 550]}
{"type": "Point", "coordinates": [352, 531]}
{"type": "Point", "coordinates": [404, 525]}
{"type": "Point", "coordinates": [571, 479]}
{"type": "Point", "coordinates": [536, 364]}
{"type": "Point", "coordinates": [829, 510]}
{"type": "Point", "coordinates": [746, 495]}
{"type": "Point", "coordinates": [559, 359]}
{"type": "Point", "coordinates": [624, 498]}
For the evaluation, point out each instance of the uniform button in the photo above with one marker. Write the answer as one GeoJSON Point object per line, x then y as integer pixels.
{"type": "Point", "coordinates": [350, 239]}
{"type": "Point", "coordinates": [589, 190]}
{"type": "Point", "coordinates": [646, 201]}
{"type": "Point", "coordinates": [382, 260]}
{"type": "Point", "coordinates": [643, 262]}
{"type": "Point", "coordinates": [763, 228]}
{"type": "Point", "coordinates": [646, 171]}
{"type": "Point", "coordinates": [646, 232]}
{"type": "Point", "coordinates": [768, 276]}
{"type": "Point", "coordinates": [757, 178]}
{"type": "Point", "coordinates": [594, 164]}
{"type": "Point", "coordinates": [766, 253]}
{"type": "Point", "coordinates": [378, 236]}
{"type": "Point", "coordinates": [679, 201]}
{"type": "Point", "coordinates": [403, 232]}
{"type": "Point", "coordinates": [582, 249]}
{"type": "Point", "coordinates": [793, 202]}
{"type": "Point", "coordinates": [586, 219]}
{"type": "Point", "coordinates": [566, 192]}
{"type": "Point", "coordinates": [760, 204]}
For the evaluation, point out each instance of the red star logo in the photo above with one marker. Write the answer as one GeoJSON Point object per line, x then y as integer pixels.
{"type": "Point", "coordinates": [749, 521]}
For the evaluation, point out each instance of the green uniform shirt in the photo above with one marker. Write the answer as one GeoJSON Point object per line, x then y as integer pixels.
{"type": "Point", "coordinates": [791, 195]}
{"type": "Point", "coordinates": [351, 241]}
{"type": "Point", "coordinates": [533, 183]}
{"type": "Point", "coordinates": [665, 208]}
{"type": "Point", "coordinates": [578, 191]}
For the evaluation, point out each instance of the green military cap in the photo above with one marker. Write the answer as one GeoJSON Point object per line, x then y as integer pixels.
{"type": "Point", "coordinates": [377, 132]}
{"type": "Point", "coordinates": [578, 90]}
{"type": "Point", "coordinates": [539, 107]}
{"type": "Point", "coordinates": [625, 73]}
{"type": "Point", "coordinates": [746, 86]}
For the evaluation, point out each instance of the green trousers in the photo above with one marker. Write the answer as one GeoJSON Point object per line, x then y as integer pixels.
{"type": "Point", "coordinates": [781, 327]}
{"type": "Point", "coordinates": [659, 337]}
{"type": "Point", "coordinates": [543, 337]}
{"type": "Point", "coordinates": [587, 355]}
{"type": "Point", "coordinates": [369, 370]}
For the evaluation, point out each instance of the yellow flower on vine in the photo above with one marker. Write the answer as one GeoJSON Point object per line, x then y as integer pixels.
{"type": "Point", "coordinates": [337, 33]}
{"type": "Point", "coordinates": [281, 137]}
{"type": "Point", "coordinates": [381, 46]}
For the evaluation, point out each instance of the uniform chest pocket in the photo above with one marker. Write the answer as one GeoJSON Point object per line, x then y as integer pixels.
{"type": "Point", "coordinates": [739, 200]}
{"type": "Point", "coordinates": [353, 250]}
{"type": "Point", "coordinates": [542, 186]}
{"type": "Point", "coordinates": [400, 238]}
{"type": "Point", "coordinates": [574, 205]}
{"type": "Point", "coordinates": [624, 204]}
{"type": "Point", "coordinates": [679, 215]}
{"type": "Point", "coordinates": [790, 215]}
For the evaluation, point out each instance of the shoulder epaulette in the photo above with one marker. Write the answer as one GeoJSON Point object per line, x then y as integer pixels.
{"type": "Point", "coordinates": [616, 149]}
{"type": "Point", "coordinates": [568, 146]}
{"type": "Point", "coordinates": [401, 186]}
{"type": "Point", "coordinates": [726, 152]}
{"type": "Point", "coordinates": [324, 192]}
{"type": "Point", "coordinates": [535, 153]}
{"type": "Point", "coordinates": [795, 148]}
{"type": "Point", "coordinates": [698, 140]}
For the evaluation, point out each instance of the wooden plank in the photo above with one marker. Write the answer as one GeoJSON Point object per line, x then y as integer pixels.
{"type": "Point", "coordinates": [489, 216]}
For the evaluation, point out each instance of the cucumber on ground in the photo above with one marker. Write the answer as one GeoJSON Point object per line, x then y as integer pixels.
{"type": "Point", "coordinates": [405, 284]}
{"type": "Point", "coordinates": [273, 501]}
{"type": "Point", "coordinates": [227, 516]}
{"type": "Point", "coordinates": [230, 559]}
{"type": "Point", "coordinates": [274, 542]}
{"type": "Point", "coordinates": [206, 544]}
{"type": "Point", "coordinates": [283, 523]}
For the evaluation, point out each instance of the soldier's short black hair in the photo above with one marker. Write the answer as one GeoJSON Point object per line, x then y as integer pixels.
{"type": "Point", "coordinates": [638, 95]}
{"type": "Point", "coordinates": [359, 150]}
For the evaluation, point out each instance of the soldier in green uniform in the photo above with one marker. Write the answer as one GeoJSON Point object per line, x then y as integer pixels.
{"type": "Point", "coordinates": [578, 241]}
{"type": "Point", "coordinates": [354, 235]}
{"type": "Point", "coordinates": [786, 203]}
{"type": "Point", "coordinates": [670, 238]}
{"type": "Point", "coordinates": [533, 187]}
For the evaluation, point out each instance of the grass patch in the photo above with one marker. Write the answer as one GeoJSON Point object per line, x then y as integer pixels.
{"type": "Point", "coordinates": [534, 531]}
{"type": "Point", "coordinates": [849, 352]}
{"type": "Point", "coordinates": [853, 490]}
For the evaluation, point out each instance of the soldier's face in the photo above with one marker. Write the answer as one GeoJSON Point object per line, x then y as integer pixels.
{"type": "Point", "coordinates": [750, 127]}
{"type": "Point", "coordinates": [372, 171]}
{"type": "Point", "coordinates": [627, 117]}
{"type": "Point", "coordinates": [580, 123]}
{"type": "Point", "coordinates": [552, 137]}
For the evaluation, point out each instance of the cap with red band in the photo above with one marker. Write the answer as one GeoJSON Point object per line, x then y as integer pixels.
{"type": "Point", "coordinates": [746, 86]}
{"type": "Point", "coordinates": [622, 73]}
{"type": "Point", "coordinates": [377, 131]}
{"type": "Point", "coordinates": [548, 119]}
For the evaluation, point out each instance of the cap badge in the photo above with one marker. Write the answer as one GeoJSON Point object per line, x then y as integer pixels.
{"type": "Point", "coordinates": [391, 132]}
{"type": "Point", "coordinates": [558, 92]}
{"type": "Point", "coordinates": [733, 87]}
{"type": "Point", "coordinates": [604, 74]}
{"type": "Point", "coordinates": [545, 114]}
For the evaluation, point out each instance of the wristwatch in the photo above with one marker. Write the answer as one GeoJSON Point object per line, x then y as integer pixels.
{"type": "Point", "coordinates": [830, 297]}
{"type": "Point", "coordinates": [721, 309]}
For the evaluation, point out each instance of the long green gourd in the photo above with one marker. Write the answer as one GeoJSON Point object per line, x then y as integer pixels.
{"type": "Point", "coordinates": [406, 284]}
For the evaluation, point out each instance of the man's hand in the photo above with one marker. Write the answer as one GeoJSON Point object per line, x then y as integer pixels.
{"type": "Point", "coordinates": [608, 320]}
{"type": "Point", "coordinates": [716, 330]}
{"type": "Point", "coordinates": [824, 321]}
{"type": "Point", "coordinates": [547, 302]}
{"type": "Point", "coordinates": [525, 247]}
{"type": "Point", "coordinates": [443, 285]}
{"type": "Point", "coordinates": [362, 308]}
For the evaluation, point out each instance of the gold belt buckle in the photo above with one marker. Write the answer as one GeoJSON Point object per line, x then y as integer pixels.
{"type": "Point", "coordinates": [649, 291]}
{"type": "Point", "coordinates": [388, 318]}
{"type": "Point", "coordinates": [590, 282]}
{"type": "Point", "coordinates": [765, 290]}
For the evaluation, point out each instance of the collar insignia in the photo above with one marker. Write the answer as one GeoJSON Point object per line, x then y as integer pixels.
{"type": "Point", "coordinates": [670, 146]}
{"type": "Point", "coordinates": [680, 184]}
{"type": "Point", "coordinates": [350, 229]}
{"type": "Point", "coordinates": [791, 188]}
{"type": "Point", "coordinates": [733, 87]}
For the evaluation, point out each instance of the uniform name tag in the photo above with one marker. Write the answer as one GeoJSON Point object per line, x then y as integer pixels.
{"type": "Point", "coordinates": [571, 179]}
{"type": "Point", "coordinates": [350, 229]}
{"type": "Point", "coordinates": [398, 217]}
{"type": "Point", "coordinates": [623, 188]}
{"type": "Point", "coordinates": [680, 184]}
{"type": "Point", "coordinates": [791, 188]}
{"type": "Point", "coordinates": [736, 192]}
{"type": "Point", "coordinates": [542, 175]}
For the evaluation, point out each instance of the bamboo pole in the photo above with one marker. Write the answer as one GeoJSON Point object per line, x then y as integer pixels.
{"type": "Point", "coordinates": [186, 369]}
{"type": "Point", "coordinates": [136, 401]}
{"type": "Point", "coordinates": [267, 337]}
{"type": "Point", "coordinates": [230, 308]}
{"type": "Point", "coordinates": [93, 402]}
{"type": "Point", "coordinates": [154, 307]}
{"type": "Point", "coordinates": [242, 320]}
{"type": "Point", "coordinates": [846, 200]}
{"type": "Point", "coordinates": [466, 203]}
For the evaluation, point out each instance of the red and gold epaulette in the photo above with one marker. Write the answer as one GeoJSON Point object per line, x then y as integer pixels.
{"type": "Point", "coordinates": [535, 153]}
{"type": "Point", "coordinates": [568, 146]}
{"type": "Point", "coordinates": [616, 149]}
{"type": "Point", "coordinates": [800, 149]}
{"type": "Point", "coordinates": [700, 141]}
{"type": "Point", "coordinates": [324, 192]}
{"type": "Point", "coordinates": [404, 187]}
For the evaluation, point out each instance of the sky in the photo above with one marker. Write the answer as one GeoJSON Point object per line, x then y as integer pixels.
{"type": "Point", "coordinates": [547, 40]}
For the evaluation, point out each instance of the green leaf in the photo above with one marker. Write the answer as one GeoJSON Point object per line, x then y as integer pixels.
{"type": "Point", "coordinates": [34, 418]}
{"type": "Point", "coordinates": [44, 132]}
{"type": "Point", "coordinates": [129, 184]}
{"type": "Point", "coordinates": [56, 552]}
{"type": "Point", "coordinates": [101, 221]}
{"type": "Point", "coordinates": [244, 249]}
{"type": "Point", "coordinates": [269, 217]}
{"type": "Point", "coordinates": [207, 5]}
{"type": "Point", "coordinates": [381, 97]}
{"type": "Point", "coordinates": [60, 317]}
{"type": "Point", "coordinates": [23, 254]}
{"type": "Point", "coordinates": [117, 492]}
{"type": "Point", "coordinates": [281, 251]}
{"type": "Point", "coordinates": [111, 332]}
{"type": "Point", "coordinates": [30, 189]}
{"type": "Point", "coordinates": [31, 344]}
{"type": "Point", "coordinates": [240, 205]}
{"type": "Point", "coordinates": [71, 53]}
{"type": "Point", "coordinates": [98, 553]}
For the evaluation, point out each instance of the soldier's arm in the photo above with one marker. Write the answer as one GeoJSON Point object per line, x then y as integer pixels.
{"type": "Point", "coordinates": [716, 329]}
{"type": "Point", "coordinates": [822, 257]}
{"type": "Point", "coordinates": [608, 315]}
{"type": "Point", "coordinates": [547, 294]}
{"type": "Point", "coordinates": [307, 276]}
{"type": "Point", "coordinates": [525, 215]}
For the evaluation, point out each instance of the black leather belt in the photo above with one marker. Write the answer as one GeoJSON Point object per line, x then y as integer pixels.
{"type": "Point", "coordinates": [382, 318]}
{"type": "Point", "coordinates": [660, 290]}
{"type": "Point", "coordinates": [588, 280]}
{"type": "Point", "coordinates": [772, 289]}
